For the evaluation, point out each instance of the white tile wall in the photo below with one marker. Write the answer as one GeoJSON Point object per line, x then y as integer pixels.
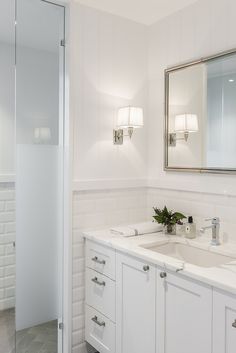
{"type": "Point", "coordinates": [200, 206]}
{"type": "Point", "coordinates": [7, 251]}
{"type": "Point", "coordinates": [98, 210]}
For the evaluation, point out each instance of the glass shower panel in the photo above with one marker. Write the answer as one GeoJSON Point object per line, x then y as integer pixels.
{"type": "Point", "coordinates": [7, 171]}
{"type": "Point", "coordinates": [39, 175]}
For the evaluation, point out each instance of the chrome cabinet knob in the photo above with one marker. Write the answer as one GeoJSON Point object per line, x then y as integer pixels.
{"type": "Point", "coordinates": [234, 324]}
{"type": "Point", "coordinates": [163, 274]}
{"type": "Point", "coordinates": [146, 268]}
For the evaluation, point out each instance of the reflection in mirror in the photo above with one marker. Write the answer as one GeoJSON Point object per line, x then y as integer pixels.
{"type": "Point", "coordinates": [7, 204]}
{"type": "Point", "coordinates": [39, 175]}
{"type": "Point", "coordinates": [186, 112]}
{"type": "Point", "coordinates": [32, 65]}
{"type": "Point", "coordinates": [221, 113]}
{"type": "Point", "coordinates": [201, 115]}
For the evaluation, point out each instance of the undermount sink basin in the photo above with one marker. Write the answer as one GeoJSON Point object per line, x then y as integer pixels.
{"type": "Point", "coordinates": [190, 254]}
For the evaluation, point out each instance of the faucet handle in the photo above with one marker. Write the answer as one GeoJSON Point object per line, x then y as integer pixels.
{"type": "Point", "coordinates": [215, 220]}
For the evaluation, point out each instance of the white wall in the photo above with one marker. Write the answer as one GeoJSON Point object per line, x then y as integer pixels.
{"type": "Point", "coordinates": [109, 70]}
{"type": "Point", "coordinates": [7, 110]}
{"type": "Point", "coordinates": [204, 28]}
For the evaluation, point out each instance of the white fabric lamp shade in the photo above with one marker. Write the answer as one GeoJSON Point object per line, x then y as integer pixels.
{"type": "Point", "coordinates": [130, 117]}
{"type": "Point", "coordinates": [186, 123]}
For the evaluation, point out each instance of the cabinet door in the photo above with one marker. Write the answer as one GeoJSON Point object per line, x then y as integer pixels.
{"type": "Point", "coordinates": [184, 315]}
{"type": "Point", "coordinates": [135, 306]}
{"type": "Point", "coordinates": [224, 323]}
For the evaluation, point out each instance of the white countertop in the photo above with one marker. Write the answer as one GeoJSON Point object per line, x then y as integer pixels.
{"type": "Point", "coordinates": [222, 277]}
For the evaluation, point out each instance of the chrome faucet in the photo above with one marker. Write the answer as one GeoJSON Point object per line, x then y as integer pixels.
{"type": "Point", "coordinates": [215, 226]}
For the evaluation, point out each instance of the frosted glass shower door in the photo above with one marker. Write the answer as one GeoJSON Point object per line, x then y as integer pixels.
{"type": "Point", "coordinates": [39, 175]}
{"type": "Point", "coordinates": [7, 171]}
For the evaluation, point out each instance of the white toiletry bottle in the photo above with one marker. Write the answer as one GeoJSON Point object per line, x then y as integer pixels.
{"type": "Point", "coordinates": [190, 229]}
{"type": "Point", "coordinates": [180, 227]}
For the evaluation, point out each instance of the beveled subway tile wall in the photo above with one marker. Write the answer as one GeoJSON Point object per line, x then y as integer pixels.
{"type": "Point", "coordinates": [7, 251]}
{"type": "Point", "coordinates": [98, 210]}
{"type": "Point", "coordinates": [198, 205]}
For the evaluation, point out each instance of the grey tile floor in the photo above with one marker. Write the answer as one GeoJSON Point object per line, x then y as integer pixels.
{"type": "Point", "coordinates": [7, 331]}
{"type": "Point", "coordinates": [37, 339]}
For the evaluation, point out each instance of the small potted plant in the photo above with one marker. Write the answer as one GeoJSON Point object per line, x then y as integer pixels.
{"type": "Point", "coordinates": [168, 219]}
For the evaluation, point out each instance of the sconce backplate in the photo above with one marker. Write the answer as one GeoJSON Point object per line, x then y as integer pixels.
{"type": "Point", "coordinates": [172, 139]}
{"type": "Point", "coordinates": [118, 136]}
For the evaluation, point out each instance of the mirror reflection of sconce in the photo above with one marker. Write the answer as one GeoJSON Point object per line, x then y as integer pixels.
{"type": "Point", "coordinates": [42, 135]}
{"type": "Point", "coordinates": [129, 118]}
{"type": "Point", "coordinates": [184, 124]}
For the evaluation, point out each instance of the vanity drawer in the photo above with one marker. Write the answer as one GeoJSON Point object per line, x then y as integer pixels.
{"type": "Point", "coordinates": [99, 331]}
{"type": "Point", "coordinates": [101, 259]}
{"type": "Point", "coordinates": [100, 293]}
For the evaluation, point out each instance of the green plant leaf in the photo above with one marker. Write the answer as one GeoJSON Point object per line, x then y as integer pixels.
{"type": "Point", "coordinates": [167, 217]}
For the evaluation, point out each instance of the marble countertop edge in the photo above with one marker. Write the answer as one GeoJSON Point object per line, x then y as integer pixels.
{"type": "Point", "coordinates": [221, 277]}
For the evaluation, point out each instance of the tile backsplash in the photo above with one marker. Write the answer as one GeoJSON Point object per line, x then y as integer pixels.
{"type": "Point", "coordinates": [198, 205]}
{"type": "Point", "coordinates": [7, 250]}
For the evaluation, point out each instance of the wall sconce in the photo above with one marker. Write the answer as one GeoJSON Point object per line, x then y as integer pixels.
{"type": "Point", "coordinates": [185, 124]}
{"type": "Point", "coordinates": [129, 118]}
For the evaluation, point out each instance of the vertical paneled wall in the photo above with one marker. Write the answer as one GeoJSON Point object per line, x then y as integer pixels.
{"type": "Point", "coordinates": [109, 70]}
{"type": "Point", "coordinates": [204, 28]}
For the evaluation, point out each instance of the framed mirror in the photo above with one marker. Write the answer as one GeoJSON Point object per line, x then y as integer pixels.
{"type": "Point", "coordinates": [200, 117]}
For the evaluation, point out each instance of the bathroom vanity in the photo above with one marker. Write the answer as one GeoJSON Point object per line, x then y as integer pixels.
{"type": "Point", "coordinates": [159, 294]}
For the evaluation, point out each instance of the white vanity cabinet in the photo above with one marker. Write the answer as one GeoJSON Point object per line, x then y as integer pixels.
{"type": "Point", "coordinates": [100, 293]}
{"type": "Point", "coordinates": [184, 315]}
{"type": "Point", "coordinates": [224, 323]}
{"type": "Point", "coordinates": [135, 305]}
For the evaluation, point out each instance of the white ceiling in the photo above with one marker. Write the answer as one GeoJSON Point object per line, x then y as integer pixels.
{"type": "Point", "coordinates": [142, 11]}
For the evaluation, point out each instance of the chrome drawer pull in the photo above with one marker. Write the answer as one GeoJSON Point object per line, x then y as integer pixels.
{"type": "Point", "coordinates": [100, 262]}
{"type": "Point", "coordinates": [146, 268]}
{"type": "Point", "coordinates": [234, 324]}
{"type": "Point", "coordinates": [95, 280]}
{"type": "Point", "coordinates": [99, 323]}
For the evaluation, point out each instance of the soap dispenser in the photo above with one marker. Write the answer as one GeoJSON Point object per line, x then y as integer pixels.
{"type": "Point", "coordinates": [190, 229]}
